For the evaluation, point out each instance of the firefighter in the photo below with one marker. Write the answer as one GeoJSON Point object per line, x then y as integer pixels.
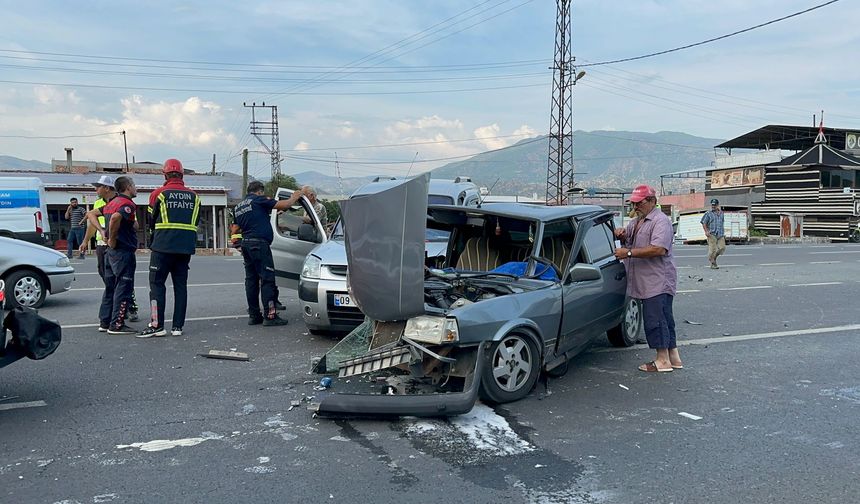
{"type": "Point", "coordinates": [252, 216]}
{"type": "Point", "coordinates": [174, 212]}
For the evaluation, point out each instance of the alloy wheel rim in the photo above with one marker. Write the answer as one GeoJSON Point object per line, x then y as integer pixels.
{"type": "Point", "coordinates": [631, 318]}
{"type": "Point", "coordinates": [27, 291]}
{"type": "Point", "coordinates": [512, 364]}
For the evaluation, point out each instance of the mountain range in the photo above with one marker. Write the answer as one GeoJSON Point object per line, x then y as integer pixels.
{"type": "Point", "coordinates": [602, 159]}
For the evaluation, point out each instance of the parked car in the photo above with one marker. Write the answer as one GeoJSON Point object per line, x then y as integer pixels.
{"type": "Point", "coordinates": [316, 265]}
{"type": "Point", "coordinates": [31, 271]}
{"type": "Point", "coordinates": [23, 210]}
{"type": "Point", "coordinates": [522, 289]}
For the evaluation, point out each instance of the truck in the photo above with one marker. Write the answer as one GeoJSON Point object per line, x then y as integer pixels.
{"type": "Point", "coordinates": [23, 210]}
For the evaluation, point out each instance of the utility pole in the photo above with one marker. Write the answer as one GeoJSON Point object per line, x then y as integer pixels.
{"type": "Point", "coordinates": [559, 173]}
{"type": "Point", "coordinates": [267, 128]}
{"type": "Point", "coordinates": [213, 164]}
{"type": "Point", "coordinates": [125, 147]}
{"type": "Point", "coordinates": [244, 169]}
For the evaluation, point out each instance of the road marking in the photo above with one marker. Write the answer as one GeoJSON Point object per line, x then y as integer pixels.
{"type": "Point", "coordinates": [689, 415]}
{"type": "Point", "coordinates": [825, 262]}
{"type": "Point", "coordinates": [18, 405]}
{"type": "Point", "coordinates": [731, 265]}
{"type": "Point", "coordinates": [191, 319]}
{"type": "Point", "coordinates": [683, 267]}
{"type": "Point", "coordinates": [745, 337]}
{"type": "Point", "coordinates": [96, 273]}
{"type": "Point", "coordinates": [813, 284]}
{"type": "Point", "coordinates": [146, 287]}
{"type": "Point", "coordinates": [687, 291]}
{"type": "Point", "coordinates": [775, 264]}
{"type": "Point", "coordinates": [746, 288]}
{"type": "Point", "coordinates": [839, 252]}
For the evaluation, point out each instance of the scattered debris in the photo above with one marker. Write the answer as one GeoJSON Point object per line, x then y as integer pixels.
{"type": "Point", "coordinates": [538, 466]}
{"type": "Point", "coordinates": [692, 322]}
{"type": "Point", "coordinates": [727, 334]}
{"type": "Point", "coordinates": [622, 386]}
{"type": "Point", "coordinates": [689, 415]}
{"type": "Point", "coordinates": [325, 382]}
{"type": "Point", "coordinates": [294, 404]}
{"type": "Point", "coordinates": [221, 354]}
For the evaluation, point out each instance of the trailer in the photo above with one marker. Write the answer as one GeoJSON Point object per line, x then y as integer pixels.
{"type": "Point", "coordinates": [736, 222]}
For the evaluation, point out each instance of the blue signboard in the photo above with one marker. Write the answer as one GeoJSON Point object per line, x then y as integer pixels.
{"type": "Point", "coordinates": [19, 198]}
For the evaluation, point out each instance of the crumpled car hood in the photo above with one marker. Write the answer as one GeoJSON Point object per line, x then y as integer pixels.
{"type": "Point", "coordinates": [384, 238]}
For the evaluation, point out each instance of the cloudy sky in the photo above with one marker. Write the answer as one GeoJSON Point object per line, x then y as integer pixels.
{"type": "Point", "coordinates": [359, 79]}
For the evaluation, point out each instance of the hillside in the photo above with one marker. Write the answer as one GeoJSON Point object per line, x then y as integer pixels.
{"type": "Point", "coordinates": [602, 159]}
{"type": "Point", "coordinates": [9, 163]}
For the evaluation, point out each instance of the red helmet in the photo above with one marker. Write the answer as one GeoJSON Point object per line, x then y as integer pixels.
{"type": "Point", "coordinates": [172, 166]}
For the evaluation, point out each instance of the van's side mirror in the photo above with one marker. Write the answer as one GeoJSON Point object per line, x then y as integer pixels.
{"type": "Point", "coordinates": [584, 273]}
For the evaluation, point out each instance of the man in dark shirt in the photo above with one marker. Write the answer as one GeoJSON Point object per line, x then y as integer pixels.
{"type": "Point", "coordinates": [252, 215]}
{"type": "Point", "coordinates": [77, 217]}
{"type": "Point", "coordinates": [121, 235]}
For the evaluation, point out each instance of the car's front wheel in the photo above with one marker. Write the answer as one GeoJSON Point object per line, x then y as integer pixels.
{"type": "Point", "coordinates": [25, 288]}
{"type": "Point", "coordinates": [512, 369]}
{"type": "Point", "coordinates": [627, 332]}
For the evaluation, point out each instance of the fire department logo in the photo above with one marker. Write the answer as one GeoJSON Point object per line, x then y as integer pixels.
{"type": "Point", "coordinates": [127, 210]}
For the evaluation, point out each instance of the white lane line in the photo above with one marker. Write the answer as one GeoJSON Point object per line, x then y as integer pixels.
{"type": "Point", "coordinates": [146, 287]}
{"type": "Point", "coordinates": [683, 267]}
{"type": "Point", "coordinates": [839, 252]}
{"type": "Point", "coordinates": [192, 319]}
{"type": "Point", "coordinates": [96, 273]}
{"type": "Point", "coordinates": [776, 264]}
{"type": "Point", "coordinates": [745, 337]}
{"type": "Point", "coordinates": [690, 257]}
{"type": "Point", "coordinates": [825, 262]}
{"type": "Point", "coordinates": [746, 288]}
{"type": "Point", "coordinates": [687, 291]}
{"type": "Point", "coordinates": [813, 284]}
{"type": "Point", "coordinates": [731, 265]}
{"type": "Point", "coordinates": [18, 405]}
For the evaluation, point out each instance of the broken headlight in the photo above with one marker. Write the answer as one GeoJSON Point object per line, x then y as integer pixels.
{"type": "Point", "coordinates": [433, 330]}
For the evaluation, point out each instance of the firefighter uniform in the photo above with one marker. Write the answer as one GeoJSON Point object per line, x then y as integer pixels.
{"type": "Point", "coordinates": [174, 214]}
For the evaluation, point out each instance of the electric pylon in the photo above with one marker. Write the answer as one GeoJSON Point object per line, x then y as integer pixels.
{"type": "Point", "coordinates": [267, 128]}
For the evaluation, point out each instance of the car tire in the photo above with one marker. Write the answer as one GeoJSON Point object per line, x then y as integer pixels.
{"type": "Point", "coordinates": [317, 332]}
{"type": "Point", "coordinates": [627, 332]}
{"type": "Point", "coordinates": [512, 369]}
{"type": "Point", "coordinates": [25, 288]}
{"type": "Point", "coordinates": [854, 237]}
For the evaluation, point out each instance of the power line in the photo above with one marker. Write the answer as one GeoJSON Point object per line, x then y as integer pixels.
{"type": "Point", "coordinates": [708, 41]}
{"type": "Point", "coordinates": [60, 137]}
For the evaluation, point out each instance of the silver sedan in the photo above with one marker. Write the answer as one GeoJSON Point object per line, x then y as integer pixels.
{"type": "Point", "coordinates": [31, 271]}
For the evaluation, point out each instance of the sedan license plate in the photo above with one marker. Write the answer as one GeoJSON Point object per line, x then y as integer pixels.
{"type": "Point", "coordinates": [342, 300]}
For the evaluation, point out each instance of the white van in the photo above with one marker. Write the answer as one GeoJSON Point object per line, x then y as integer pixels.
{"type": "Point", "coordinates": [23, 209]}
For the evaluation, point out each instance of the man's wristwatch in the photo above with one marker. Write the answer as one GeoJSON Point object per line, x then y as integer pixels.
{"type": "Point", "coordinates": [629, 252]}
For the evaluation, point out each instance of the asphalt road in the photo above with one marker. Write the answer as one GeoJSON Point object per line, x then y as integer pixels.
{"type": "Point", "coordinates": [764, 411]}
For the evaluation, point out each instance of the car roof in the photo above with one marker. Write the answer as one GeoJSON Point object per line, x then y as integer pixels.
{"type": "Point", "coordinates": [525, 211]}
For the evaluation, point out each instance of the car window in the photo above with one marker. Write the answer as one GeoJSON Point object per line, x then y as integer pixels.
{"type": "Point", "coordinates": [436, 235]}
{"type": "Point", "coordinates": [436, 199]}
{"type": "Point", "coordinates": [598, 243]}
{"type": "Point", "coordinates": [557, 243]}
{"type": "Point", "coordinates": [291, 224]}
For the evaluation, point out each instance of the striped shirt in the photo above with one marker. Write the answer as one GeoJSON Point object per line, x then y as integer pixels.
{"type": "Point", "coordinates": [78, 216]}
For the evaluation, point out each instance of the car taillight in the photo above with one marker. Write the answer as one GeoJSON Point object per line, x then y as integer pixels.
{"type": "Point", "coordinates": [38, 216]}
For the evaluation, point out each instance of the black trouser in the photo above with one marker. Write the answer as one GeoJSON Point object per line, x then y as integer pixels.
{"type": "Point", "coordinates": [119, 287]}
{"type": "Point", "coordinates": [100, 259]}
{"type": "Point", "coordinates": [160, 265]}
{"type": "Point", "coordinates": [259, 276]}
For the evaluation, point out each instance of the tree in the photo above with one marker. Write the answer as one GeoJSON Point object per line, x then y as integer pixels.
{"type": "Point", "coordinates": [285, 181]}
{"type": "Point", "coordinates": [332, 210]}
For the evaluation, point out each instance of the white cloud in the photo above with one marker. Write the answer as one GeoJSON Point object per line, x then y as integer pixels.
{"type": "Point", "coordinates": [302, 146]}
{"type": "Point", "coordinates": [526, 131]}
{"type": "Point", "coordinates": [50, 95]}
{"type": "Point", "coordinates": [434, 122]}
{"type": "Point", "coordinates": [486, 135]}
{"type": "Point", "coordinates": [346, 130]}
{"type": "Point", "coordinates": [194, 122]}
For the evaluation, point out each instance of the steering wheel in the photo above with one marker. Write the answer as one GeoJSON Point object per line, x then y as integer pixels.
{"type": "Point", "coordinates": [548, 265]}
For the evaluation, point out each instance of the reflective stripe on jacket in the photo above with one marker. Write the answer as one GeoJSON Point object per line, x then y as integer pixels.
{"type": "Point", "coordinates": [175, 213]}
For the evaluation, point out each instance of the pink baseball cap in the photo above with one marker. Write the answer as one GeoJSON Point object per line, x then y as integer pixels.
{"type": "Point", "coordinates": [641, 192]}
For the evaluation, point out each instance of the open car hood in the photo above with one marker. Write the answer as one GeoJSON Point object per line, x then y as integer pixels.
{"type": "Point", "coordinates": [384, 238]}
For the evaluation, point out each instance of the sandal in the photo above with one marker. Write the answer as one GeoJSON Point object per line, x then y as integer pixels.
{"type": "Point", "coordinates": [651, 367]}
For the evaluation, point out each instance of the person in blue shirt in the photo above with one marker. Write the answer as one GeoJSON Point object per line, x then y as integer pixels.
{"type": "Point", "coordinates": [252, 215]}
{"type": "Point", "coordinates": [713, 222]}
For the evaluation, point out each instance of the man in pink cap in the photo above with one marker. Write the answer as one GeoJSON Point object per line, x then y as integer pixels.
{"type": "Point", "coordinates": [651, 275]}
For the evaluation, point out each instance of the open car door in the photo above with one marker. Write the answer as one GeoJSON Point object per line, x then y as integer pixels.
{"type": "Point", "coordinates": [297, 231]}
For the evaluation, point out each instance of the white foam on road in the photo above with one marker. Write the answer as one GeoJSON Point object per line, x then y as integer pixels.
{"type": "Point", "coordinates": [167, 444]}
{"type": "Point", "coordinates": [19, 405]}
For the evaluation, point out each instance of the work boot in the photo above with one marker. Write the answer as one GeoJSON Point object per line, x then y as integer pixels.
{"type": "Point", "coordinates": [275, 321]}
{"type": "Point", "coordinates": [255, 319]}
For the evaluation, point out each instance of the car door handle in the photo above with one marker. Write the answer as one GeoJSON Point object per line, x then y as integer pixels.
{"type": "Point", "coordinates": [620, 275]}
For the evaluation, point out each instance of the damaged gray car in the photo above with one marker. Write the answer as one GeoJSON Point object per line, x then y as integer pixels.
{"type": "Point", "coordinates": [523, 289]}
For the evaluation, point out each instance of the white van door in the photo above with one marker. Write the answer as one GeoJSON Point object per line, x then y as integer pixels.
{"type": "Point", "coordinates": [297, 231]}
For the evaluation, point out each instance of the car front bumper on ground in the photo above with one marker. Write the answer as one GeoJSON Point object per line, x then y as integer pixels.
{"type": "Point", "coordinates": [60, 279]}
{"type": "Point", "coordinates": [419, 405]}
{"type": "Point", "coordinates": [316, 297]}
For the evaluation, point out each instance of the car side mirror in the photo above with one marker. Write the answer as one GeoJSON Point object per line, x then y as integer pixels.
{"type": "Point", "coordinates": [584, 273]}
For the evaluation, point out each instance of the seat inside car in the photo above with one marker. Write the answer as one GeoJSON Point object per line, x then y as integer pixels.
{"type": "Point", "coordinates": [557, 251]}
{"type": "Point", "coordinates": [478, 255]}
